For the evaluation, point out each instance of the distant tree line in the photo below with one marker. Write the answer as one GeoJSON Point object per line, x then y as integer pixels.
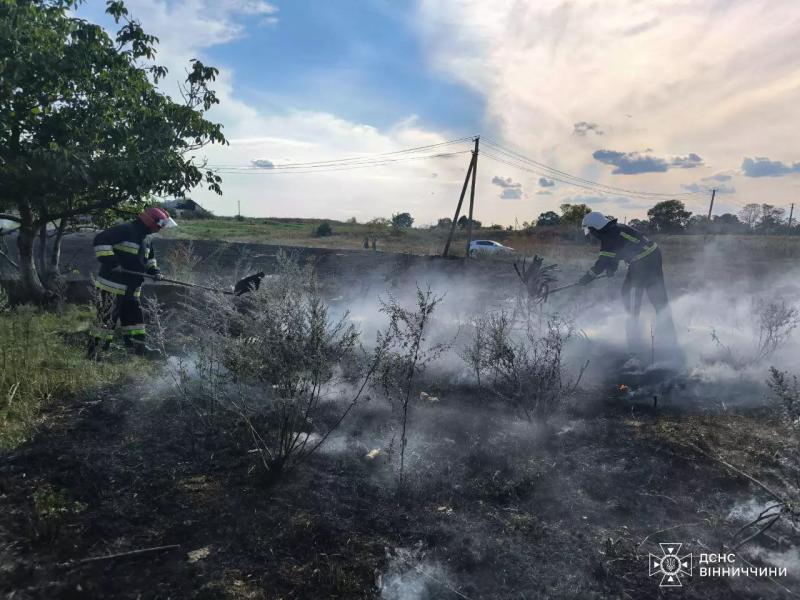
{"type": "Point", "coordinates": [671, 216]}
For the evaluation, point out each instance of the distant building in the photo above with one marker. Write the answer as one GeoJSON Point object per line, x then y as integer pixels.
{"type": "Point", "coordinates": [185, 207]}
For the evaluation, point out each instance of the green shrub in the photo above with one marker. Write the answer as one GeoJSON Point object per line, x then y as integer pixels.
{"type": "Point", "coordinates": [324, 229]}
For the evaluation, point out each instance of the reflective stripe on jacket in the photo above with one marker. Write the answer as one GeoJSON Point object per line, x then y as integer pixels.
{"type": "Point", "coordinates": [620, 242]}
{"type": "Point", "coordinates": [124, 246]}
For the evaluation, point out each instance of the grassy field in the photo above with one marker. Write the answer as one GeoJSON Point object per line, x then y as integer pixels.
{"type": "Point", "coordinates": [300, 232]}
{"type": "Point", "coordinates": [42, 359]}
{"type": "Point", "coordinates": [557, 244]}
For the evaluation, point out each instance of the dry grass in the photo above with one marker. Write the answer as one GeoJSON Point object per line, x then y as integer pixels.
{"type": "Point", "coordinates": [42, 360]}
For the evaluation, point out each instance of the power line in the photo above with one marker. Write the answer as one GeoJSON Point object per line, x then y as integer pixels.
{"type": "Point", "coordinates": [343, 161]}
{"type": "Point", "coordinates": [336, 167]}
{"type": "Point", "coordinates": [589, 182]}
{"type": "Point", "coordinates": [599, 190]}
{"type": "Point", "coordinates": [491, 149]}
{"type": "Point", "coordinates": [572, 179]}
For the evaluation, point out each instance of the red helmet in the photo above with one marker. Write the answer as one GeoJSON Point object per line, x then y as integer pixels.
{"type": "Point", "coordinates": [156, 219]}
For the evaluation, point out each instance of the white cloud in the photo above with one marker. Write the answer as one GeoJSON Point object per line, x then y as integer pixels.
{"type": "Point", "coordinates": [654, 74]}
{"type": "Point", "coordinates": [262, 163]}
{"type": "Point", "coordinates": [191, 28]}
{"type": "Point", "coordinates": [718, 79]}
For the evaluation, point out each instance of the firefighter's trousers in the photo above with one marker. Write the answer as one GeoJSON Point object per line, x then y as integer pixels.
{"type": "Point", "coordinates": [113, 309]}
{"type": "Point", "coordinates": [647, 275]}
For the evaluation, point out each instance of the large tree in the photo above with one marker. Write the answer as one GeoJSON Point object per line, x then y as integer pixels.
{"type": "Point", "coordinates": [749, 214]}
{"type": "Point", "coordinates": [669, 216]}
{"type": "Point", "coordinates": [84, 129]}
{"type": "Point", "coordinates": [771, 218]}
{"type": "Point", "coordinates": [572, 214]}
{"type": "Point", "coordinates": [402, 220]}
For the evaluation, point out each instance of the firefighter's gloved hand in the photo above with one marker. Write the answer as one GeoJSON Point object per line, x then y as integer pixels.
{"type": "Point", "coordinates": [158, 276]}
{"type": "Point", "coordinates": [586, 279]}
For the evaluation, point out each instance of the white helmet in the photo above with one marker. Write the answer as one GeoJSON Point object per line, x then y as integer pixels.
{"type": "Point", "coordinates": [594, 220]}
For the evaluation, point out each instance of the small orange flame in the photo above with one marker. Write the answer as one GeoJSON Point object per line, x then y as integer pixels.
{"type": "Point", "coordinates": [622, 387]}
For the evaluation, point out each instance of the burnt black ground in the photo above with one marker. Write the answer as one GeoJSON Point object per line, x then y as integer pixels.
{"type": "Point", "coordinates": [502, 509]}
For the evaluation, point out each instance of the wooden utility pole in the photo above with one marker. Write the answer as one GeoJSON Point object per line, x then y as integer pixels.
{"type": "Point", "coordinates": [711, 206]}
{"type": "Point", "coordinates": [791, 213]}
{"type": "Point", "coordinates": [472, 191]}
{"type": "Point", "coordinates": [458, 206]}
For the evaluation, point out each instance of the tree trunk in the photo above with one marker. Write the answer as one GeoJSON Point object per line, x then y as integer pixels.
{"type": "Point", "coordinates": [55, 251]}
{"type": "Point", "coordinates": [41, 265]}
{"type": "Point", "coordinates": [31, 288]}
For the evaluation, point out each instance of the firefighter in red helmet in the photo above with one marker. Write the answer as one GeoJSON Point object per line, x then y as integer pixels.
{"type": "Point", "coordinates": [125, 255]}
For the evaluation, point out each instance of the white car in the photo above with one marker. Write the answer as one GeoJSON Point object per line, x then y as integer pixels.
{"type": "Point", "coordinates": [477, 247]}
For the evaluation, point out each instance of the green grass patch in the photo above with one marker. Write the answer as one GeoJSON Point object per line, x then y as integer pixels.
{"type": "Point", "coordinates": [42, 360]}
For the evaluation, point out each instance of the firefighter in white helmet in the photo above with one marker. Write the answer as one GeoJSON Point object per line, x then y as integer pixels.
{"type": "Point", "coordinates": [645, 274]}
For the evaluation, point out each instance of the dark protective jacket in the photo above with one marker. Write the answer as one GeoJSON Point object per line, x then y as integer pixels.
{"type": "Point", "coordinates": [620, 242]}
{"type": "Point", "coordinates": [126, 246]}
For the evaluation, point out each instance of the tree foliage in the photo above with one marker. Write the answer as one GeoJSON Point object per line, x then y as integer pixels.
{"type": "Point", "coordinates": [402, 220]}
{"type": "Point", "coordinates": [83, 127]}
{"type": "Point", "coordinates": [770, 219]}
{"type": "Point", "coordinates": [463, 221]}
{"type": "Point", "coordinates": [444, 223]}
{"type": "Point", "coordinates": [640, 225]}
{"type": "Point", "coordinates": [548, 218]}
{"type": "Point", "coordinates": [324, 229]}
{"type": "Point", "coordinates": [668, 216]}
{"type": "Point", "coordinates": [572, 214]}
{"type": "Point", "coordinates": [749, 214]}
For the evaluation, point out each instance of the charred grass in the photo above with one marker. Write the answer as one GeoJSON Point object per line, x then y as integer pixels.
{"type": "Point", "coordinates": [506, 509]}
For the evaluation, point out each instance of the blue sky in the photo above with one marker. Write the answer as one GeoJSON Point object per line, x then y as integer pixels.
{"type": "Point", "coordinates": [682, 97]}
{"type": "Point", "coordinates": [362, 60]}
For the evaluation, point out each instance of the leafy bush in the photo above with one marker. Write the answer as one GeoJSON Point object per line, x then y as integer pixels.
{"type": "Point", "coordinates": [324, 229]}
{"type": "Point", "coordinates": [402, 220]}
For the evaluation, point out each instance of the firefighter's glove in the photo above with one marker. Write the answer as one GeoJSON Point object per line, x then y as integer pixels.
{"type": "Point", "coordinates": [158, 276]}
{"type": "Point", "coordinates": [586, 279]}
